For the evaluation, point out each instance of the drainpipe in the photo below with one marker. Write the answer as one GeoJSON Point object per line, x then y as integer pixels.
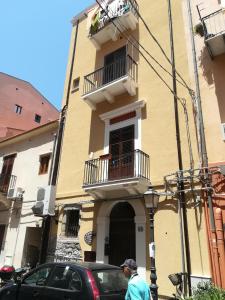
{"type": "Point", "coordinates": [203, 151]}
{"type": "Point", "coordinates": [46, 224]}
{"type": "Point", "coordinates": [221, 244]}
{"type": "Point", "coordinates": [185, 249]}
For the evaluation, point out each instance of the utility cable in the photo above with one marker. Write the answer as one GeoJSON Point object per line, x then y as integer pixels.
{"type": "Point", "coordinates": [181, 100]}
{"type": "Point", "coordinates": [142, 47]}
{"type": "Point", "coordinates": [161, 48]}
{"type": "Point", "coordinates": [147, 61]}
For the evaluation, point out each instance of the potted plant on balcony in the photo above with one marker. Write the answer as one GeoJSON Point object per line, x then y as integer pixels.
{"type": "Point", "coordinates": [199, 29]}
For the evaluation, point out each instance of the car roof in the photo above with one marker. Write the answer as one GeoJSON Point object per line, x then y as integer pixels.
{"type": "Point", "coordinates": [87, 265]}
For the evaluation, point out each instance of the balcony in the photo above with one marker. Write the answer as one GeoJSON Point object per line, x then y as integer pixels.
{"type": "Point", "coordinates": [110, 81]}
{"type": "Point", "coordinates": [214, 32]}
{"type": "Point", "coordinates": [107, 177]}
{"type": "Point", "coordinates": [124, 15]}
{"type": "Point", "coordinates": [7, 183]}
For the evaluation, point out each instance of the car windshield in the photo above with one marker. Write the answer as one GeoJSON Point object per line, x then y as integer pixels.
{"type": "Point", "coordinates": [110, 281]}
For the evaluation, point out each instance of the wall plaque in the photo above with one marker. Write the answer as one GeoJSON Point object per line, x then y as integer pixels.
{"type": "Point", "coordinates": [88, 237]}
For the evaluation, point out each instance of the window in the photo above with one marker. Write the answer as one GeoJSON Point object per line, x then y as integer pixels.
{"type": "Point", "coordinates": [37, 118]}
{"type": "Point", "coordinates": [115, 65]}
{"type": "Point", "coordinates": [44, 163]}
{"type": "Point", "coordinates": [65, 278]}
{"type": "Point", "coordinates": [18, 109]}
{"type": "Point", "coordinates": [76, 83]}
{"type": "Point", "coordinates": [39, 277]}
{"type": "Point", "coordinates": [109, 281]}
{"type": "Point", "coordinates": [72, 222]}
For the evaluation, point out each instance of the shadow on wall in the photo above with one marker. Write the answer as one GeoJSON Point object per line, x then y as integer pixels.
{"type": "Point", "coordinates": [15, 214]}
{"type": "Point", "coordinates": [213, 72]}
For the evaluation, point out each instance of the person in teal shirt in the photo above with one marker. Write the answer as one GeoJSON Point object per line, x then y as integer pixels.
{"type": "Point", "coordinates": [137, 289]}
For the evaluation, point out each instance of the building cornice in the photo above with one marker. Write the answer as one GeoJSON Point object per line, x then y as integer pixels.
{"type": "Point", "coordinates": [30, 133]}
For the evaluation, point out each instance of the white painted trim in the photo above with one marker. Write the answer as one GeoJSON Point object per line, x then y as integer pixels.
{"type": "Point", "coordinates": [122, 110]}
{"type": "Point", "coordinates": [136, 121]}
{"type": "Point", "coordinates": [140, 223]}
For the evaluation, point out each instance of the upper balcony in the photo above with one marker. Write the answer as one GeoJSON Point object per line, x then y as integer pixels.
{"type": "Point", "coordinates": [123, 13]}
{"type": "Point", "coordinates": [214, 32]}
{"type": "Point", "coordinates": [110, 81]}
{"type": "Point", "coordinates": [110, 177]}
{"type": "Point", "coordinates": [7, 183]}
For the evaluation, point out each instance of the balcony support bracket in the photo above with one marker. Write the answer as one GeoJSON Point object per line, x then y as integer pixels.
{"type": "Point", "coordinates": [95, 43]}
{"type": "Point", "coordinates": [113, 33]}
{"type": "Point", "coordinates": [109, 97]}
{"type": "Point", "coordinates": [90, 103]}
{"type": "Point", "coordinates": [130, 86]}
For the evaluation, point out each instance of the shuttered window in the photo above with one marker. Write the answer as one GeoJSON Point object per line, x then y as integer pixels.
{"type": "Point", "coordinates": [44, 164]}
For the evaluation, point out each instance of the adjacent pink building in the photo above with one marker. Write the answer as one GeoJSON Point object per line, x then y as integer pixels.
{"type": "Point", "coordinates": [22, 107]}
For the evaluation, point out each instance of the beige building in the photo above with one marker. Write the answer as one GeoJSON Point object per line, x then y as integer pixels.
{"type": "Point", "coordinates": [120, 138]}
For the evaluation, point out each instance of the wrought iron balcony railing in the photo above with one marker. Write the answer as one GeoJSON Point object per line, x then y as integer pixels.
{"type": "Point", "coordinates": [125, 66]}
{"type": "Point", "coordinates": [108, 169]}
{"type": "Point", "coordinates": [214, 24]}
{"type": "Point", "coordinates": [7, 182]}
{"type": "Point", "coordinates": [113, 10]}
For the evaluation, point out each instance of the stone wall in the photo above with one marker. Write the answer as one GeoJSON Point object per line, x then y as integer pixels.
{"type": "Point", "coordinates": [65, 249]}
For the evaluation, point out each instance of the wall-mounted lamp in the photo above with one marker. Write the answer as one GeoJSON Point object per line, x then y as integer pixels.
{"type": "Point", "coordinates": [151, 198]}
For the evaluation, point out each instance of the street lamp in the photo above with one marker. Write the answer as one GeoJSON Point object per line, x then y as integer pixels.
{"type": "Point", "coordinates": [151, 202]}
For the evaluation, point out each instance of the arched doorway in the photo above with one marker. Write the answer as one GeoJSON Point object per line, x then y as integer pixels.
{"type": "Point", "coordinates": [121, 233]}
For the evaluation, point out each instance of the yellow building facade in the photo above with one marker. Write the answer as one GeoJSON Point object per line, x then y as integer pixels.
{"type": "Point", "coordinates": [120, 138]}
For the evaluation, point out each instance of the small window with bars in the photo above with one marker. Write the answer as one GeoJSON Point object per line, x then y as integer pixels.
{"type": "Point", "coordinates": [72, 222]}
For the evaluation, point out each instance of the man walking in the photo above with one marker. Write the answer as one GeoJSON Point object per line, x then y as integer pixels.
{"type": "Point", "coordinates": [137, 287]}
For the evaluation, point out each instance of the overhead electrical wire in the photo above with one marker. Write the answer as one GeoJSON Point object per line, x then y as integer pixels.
{"type": "Point", "coordinates": [147, 61]}
{"type": "Point", "coordinates": [181, 100]}
{"type": "Point", "coordinates": [160, 47]}
{"type": "Point", "coordinates": [184, 84]}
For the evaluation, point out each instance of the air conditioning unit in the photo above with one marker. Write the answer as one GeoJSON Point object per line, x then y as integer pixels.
{"type": "Point", "coordinates": [223, 130]}
{"type": "Point", "coordinates": [45, 203]}
{"type": "Point", "coordinates": [15, 193]}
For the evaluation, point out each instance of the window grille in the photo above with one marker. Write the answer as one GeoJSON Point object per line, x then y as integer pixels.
{"type": "Point", "coordinates": [72, 222]}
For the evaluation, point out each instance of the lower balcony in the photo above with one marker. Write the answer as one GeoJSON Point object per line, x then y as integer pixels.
{"type": "Point", "coordinates": [112, 80]}
{"type": "Point", "coordinates": [214, 32]}
{"type": "Point", "coordinates": [118, 176]}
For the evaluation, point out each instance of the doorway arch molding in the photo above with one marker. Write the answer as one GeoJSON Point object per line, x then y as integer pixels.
{"type": "Point", "coordinates": [103, 222]}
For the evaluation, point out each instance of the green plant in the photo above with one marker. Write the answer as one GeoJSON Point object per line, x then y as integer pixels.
{"type": "Point", "coordinates": [198, 29]}
{"type": "Point", "coordinates": [207, 291]}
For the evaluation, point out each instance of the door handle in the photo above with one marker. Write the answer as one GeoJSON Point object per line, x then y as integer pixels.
{"type": "Point", "coordinates": [35, 293]}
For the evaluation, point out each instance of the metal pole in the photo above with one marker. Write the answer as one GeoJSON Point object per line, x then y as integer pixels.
{"type": "Point", "coordinates": [44, 239]}
{"type": "Point", "coordinates": [181, 194]}
{"type": "Point", "coordinates": [153, 276]}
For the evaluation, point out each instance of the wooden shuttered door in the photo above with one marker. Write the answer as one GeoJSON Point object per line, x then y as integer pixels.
{"type": "Point", "coordinates": [2, 232]}
{"type": "Point", "coordinates": [121, 148]}
{"type": "Point", "coordinates": [115, 65]}
{"type": "Point", "coordinates": [6, 172]}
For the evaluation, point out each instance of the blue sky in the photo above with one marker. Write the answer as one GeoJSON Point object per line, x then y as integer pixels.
{"type": "Point", "coordinates": [34, 42]}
